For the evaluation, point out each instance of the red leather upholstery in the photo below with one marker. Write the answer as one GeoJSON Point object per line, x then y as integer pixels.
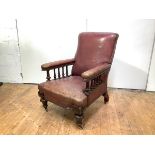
{"type": "Point", "coordinates": [66, 92]}
{"type": "Point", "coordinates": [94, 49]}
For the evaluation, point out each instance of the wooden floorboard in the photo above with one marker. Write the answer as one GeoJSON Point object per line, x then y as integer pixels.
{"type": "Point", "coordinates": [129, 112]}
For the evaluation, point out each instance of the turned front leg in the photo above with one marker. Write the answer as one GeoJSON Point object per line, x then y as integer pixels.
{"type": "Point", "coordinates": [44, 102]}
{"type": "Point", "coordinates": [79, 116]}
{"type": "Point", "coordinates": [42, 99]}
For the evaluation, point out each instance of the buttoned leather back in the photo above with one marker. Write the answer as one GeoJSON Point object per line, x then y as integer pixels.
{"type": "Point", "coordinates": [94, 48]}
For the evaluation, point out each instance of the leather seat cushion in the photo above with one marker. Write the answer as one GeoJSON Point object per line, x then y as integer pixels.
{"type": "Point", "coordinates": [66, 92]}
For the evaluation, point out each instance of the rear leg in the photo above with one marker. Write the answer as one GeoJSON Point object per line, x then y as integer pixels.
{"type": "Point", "coordinates": [106, 97]}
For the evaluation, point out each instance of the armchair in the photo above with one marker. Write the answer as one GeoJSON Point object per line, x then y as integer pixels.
{"type": "Point", "coordinates": [88, 78]}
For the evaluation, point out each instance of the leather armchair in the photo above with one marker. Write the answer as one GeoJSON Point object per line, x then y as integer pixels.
{"type": "Point", "coordinates": [88, 78]}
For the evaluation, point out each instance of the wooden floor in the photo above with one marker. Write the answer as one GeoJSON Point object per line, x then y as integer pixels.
{"type": "Point", "coordinates": [128, 112]}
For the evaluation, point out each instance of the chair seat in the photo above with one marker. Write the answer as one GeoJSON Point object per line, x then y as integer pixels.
{"type": "Point", "coordinates": [65, 92]}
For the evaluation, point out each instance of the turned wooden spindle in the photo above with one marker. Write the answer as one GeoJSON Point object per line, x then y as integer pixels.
{"type": "Point", "coordinates": [87, 89]}
{"type": "Point", "coordinates": [66, 70]}
{"type": "Point", "coordinates": [97, 80]}
{"type": "Point", "coordinates": [92, 83]}
{"type": "Point", "coordinates": [87, 85]}
{"type": "Point", "coordinates": [63, 75]}
{"type": "Point", "coordinates": [48, 75]}
{"type": "Point", "coordinates": [58, 72]}
{"type": "Point", "coordinates": [54, 74]}
{"type": "Point", "coordinates": [100, 80]}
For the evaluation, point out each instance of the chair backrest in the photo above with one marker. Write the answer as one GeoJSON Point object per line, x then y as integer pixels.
{"type": "Point", "coordinates": [94, 48]}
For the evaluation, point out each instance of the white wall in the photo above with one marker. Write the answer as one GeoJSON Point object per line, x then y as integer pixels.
{"type": "Point", "coordinates": [10, 67]}
{"type": "Point", "coordinates": [48, 31]}
{"type": "Point", "coordinates": [132, 56]}
{"type": "Point", "coordinates": [49, 40]}
{"type": "Point", "coordinates": [44, 41]}
{"type": "Point", "coordinates": [151, 78]}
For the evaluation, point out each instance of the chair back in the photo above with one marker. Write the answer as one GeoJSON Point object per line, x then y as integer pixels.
{"type": "Point", "coordinates": [94, 48]}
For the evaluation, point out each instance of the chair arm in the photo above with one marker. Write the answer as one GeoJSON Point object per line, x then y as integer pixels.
{"type": "Point", "coordinates": [96, 71]}
{"type": "Point", "coordinates": [56, 64]}
{"type": "Point", "coordinates": [93, 77]}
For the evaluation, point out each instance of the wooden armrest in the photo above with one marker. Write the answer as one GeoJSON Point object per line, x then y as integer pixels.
{"type": "Point", "coordinates": [96, 71]}
{"type": "Point", "coordinates": [56, 64]}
